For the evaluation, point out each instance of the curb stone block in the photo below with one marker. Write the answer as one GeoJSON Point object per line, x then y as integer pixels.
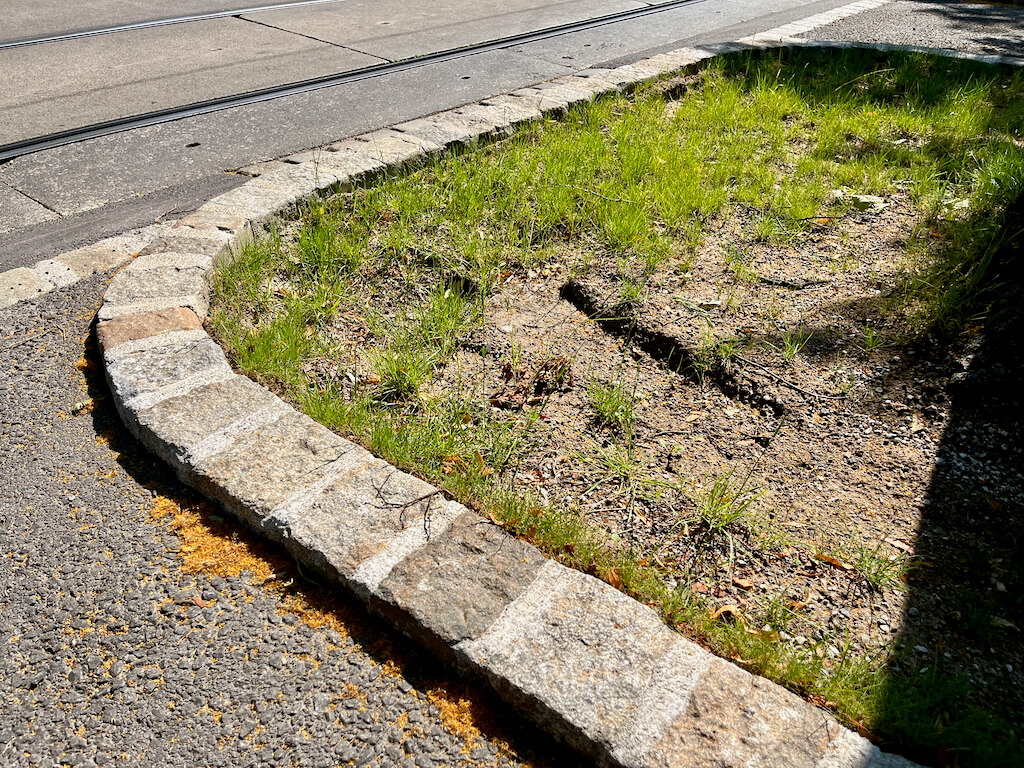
{"type": "Point", "coordinates": [57, 273]}
{"type": "Point", "coordinates": [250, 202]}
{"type": "Point", "coordinates": [545, 103]}
{"type": "Point", "coordinates": [428, 146]}
{"type": "Point", "coordinates": [21, 283]}
{"type": "Point", "coordinates": [170, 260]}
{"type": "Point", "coordinates": [591, 662]}
{"type": "Point", "coordinates": [194, 242]}
{"type": "Point", "coordinates": [258, 169]}
{"type": "Point", "coordinates": [514, 109]}
{"type": "Point", "coordinates": [111, 333]}
{"type": "Point", "coordinates": [735, 717]}
{"type": "Point", "coordinates": [94, 259]}
{"type": "Point", "coordinates": [458, 583]}
{"type": "Point", "coordinates": [185, 429]}
{"type": "Point", "coordinates": [211, 218]}
{"type": "Point", "coordinates": [594, 80]}
{"type": "Point", "coordinates": [263, 468]}
{"type": "Point", "coordinates": [534, 99]}
{"type": "Point", "coordinates": [629, 76]}
{"type": "Point", "coordinates": [299, 181]}
{"type": "Point", "coordinates": [390, 148]}
{"type": "Point", "coordinates": [167, 338]}
{"type": "Point", "coordinates": [355, 523]}
{"type": "Point", "coordinates": [493, 119]}
{"type": "Point", "coordinates": [568, 96]}
{"type": "Point", "coordinates": [139, 380]}
{"type": "Point", "coordinates": [673, 60]}
{"type": "Point", "coordinates": [445, 129]}
{"type": "Point", "coordinates": [157, 288]}
{"type": "Point", "coordinates": [349, 164]}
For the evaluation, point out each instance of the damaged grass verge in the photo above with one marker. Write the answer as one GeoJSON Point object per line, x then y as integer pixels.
{"type": "Point", "coordinates": [395, 315]}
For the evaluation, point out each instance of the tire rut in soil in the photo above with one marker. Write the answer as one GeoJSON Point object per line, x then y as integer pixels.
{"type": "Point", "coordinates": [675, 354]}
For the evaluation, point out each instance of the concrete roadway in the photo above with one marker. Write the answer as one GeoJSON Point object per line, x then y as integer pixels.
{"type": "Point", "coordinates": [58, 199]}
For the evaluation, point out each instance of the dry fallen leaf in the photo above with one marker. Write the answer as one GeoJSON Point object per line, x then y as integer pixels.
{"type": "Point", "coordinates": [901, 545]}
{"type": "Point", "coordinates": [799, 605]}
{"type": "Point", "coordinates": [613, 578]}
{"type": "Point", "coordinates": [699, 588]}
{"type": "Point", "coordinates": [729, 612]}
{"type": "Point", "coordinates": [998, 621]}
{"type": "Point", "coordinates": [833, 561]}
{"type": "Point", "coordinates": [742, 583]}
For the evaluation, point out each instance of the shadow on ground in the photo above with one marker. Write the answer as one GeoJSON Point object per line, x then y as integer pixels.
{"type": "Point", "coordinates": [961, 643]}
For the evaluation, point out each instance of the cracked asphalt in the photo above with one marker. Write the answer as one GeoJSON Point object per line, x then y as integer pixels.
{"type": "Point", "coordinates": [112, 651]}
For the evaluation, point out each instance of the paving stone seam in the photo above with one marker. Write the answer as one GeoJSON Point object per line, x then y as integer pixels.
{"type": "Point", "coordinates": [593, 666]}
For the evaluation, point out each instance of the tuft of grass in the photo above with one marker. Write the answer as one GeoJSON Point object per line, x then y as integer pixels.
{"type": "Point", "coordinates": [723, 502]}
{"type": "Point", "coordinates": [612, 405]}
{"type": "Point", "coordinates": [880, 569]}
{"type": "Point", "coordinates": [792, 344]}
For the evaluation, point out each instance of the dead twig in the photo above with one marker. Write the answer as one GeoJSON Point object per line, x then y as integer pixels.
{"type": "Point", "coordinates": [784, 382]}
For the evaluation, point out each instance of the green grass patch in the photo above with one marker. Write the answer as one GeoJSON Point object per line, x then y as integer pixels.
{"type": "Point", "coordinates": [639, 179]}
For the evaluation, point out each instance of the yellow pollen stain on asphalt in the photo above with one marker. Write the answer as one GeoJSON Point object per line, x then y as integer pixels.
{"type": "Point", "coordinates": [215, 545]}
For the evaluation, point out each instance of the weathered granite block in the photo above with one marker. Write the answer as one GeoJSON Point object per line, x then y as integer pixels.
{"type": "Point", "coordinates": [173, 243]}
{"type": "Point", "coordinates": [132, 292]}
{"type": "Point", "coordinates": [630, 75]}
{"type": "Point", "coordinates": [592, 82]}
{"type": "Point", "coordinates": [56, 272]}
{"type": "Point", "coordinates": [349, 163]}
{"type": "Point", "coordinates": [365, 520]}
{"type": "Point", "coordinates": [186, 429]}
{"type": "Point", "coordinates": [563, 96]}
{"type": "Point", "coordinates": [584, 659]}
{"type": "Point", "coordinates": [251, 202]}
{"type": "Point", "coordinates": [299, 181]}
{"type": "Point", "coordinates": [456, 585]}
{"type": "Point", "coordinates": [100, 257]}
{"type": "Point", "coordinates": [514, 110]}
{"type": "Point", "coordinates": [445, 129]}
{"type": "Point", "coordinates": [21, 283]}
{"type": "Point", "coordinates": [172, 259]}
{"type": "Point", "coordinates": [260, 469]}
{"type": "Point", "coordinates": [671, 60]}
{"type": "Point", "coordinates": [735, 718]}
{"type": "Point", "coordinates": [141, 379]}
{"type": "Point", "coordinates": [391, 148]}
{"type": "Point", "coordinates": [119, 330]}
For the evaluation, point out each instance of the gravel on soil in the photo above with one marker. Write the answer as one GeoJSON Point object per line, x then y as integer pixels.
{"type": "Point", "coordinates": [111, 652]}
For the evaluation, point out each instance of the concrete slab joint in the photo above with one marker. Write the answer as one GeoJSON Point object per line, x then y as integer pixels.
{"type": "Point", "coordinates": [594, 666]}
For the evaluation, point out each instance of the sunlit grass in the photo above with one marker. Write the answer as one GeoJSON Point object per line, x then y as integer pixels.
{"type": "Point", "coordinates": [636, 179]}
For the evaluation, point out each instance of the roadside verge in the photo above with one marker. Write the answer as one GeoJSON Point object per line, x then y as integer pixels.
{"type": "Point", "coordinates": [596, 668]}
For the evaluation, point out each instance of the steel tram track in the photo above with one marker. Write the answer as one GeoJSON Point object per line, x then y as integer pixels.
{"type": "Point", "coordinates": [109, 127]}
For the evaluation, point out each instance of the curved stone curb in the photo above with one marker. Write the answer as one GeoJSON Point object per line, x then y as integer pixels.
{"type": "Point", "coordinates": [593, 666]}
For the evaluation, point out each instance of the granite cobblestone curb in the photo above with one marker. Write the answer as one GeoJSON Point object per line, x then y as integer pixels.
{"type": "Point", "coordinates": [593, 666]}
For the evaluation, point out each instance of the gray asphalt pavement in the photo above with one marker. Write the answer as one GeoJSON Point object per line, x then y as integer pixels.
{"type": "Point", "coordinates": [112, 654]}
{"type": "Point", "coordinates": [972, 27]}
